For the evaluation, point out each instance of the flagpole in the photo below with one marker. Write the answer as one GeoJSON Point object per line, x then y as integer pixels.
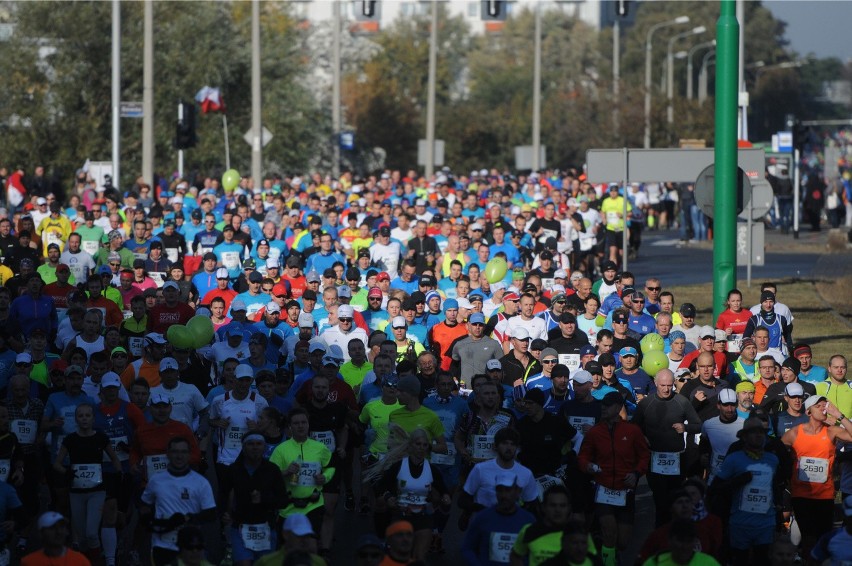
{"type": "Point", "coordinates": [227, 145]}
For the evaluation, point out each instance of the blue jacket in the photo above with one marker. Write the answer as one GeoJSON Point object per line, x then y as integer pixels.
{"type": "Point", "coordinates": [26, 314]}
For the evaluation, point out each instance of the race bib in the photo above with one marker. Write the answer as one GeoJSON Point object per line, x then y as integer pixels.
{"type": "Point", "coordinates": [231, 259]}
{"type": "Point", "coordinates": [172, 254]}
{"type": "Point", "coordinates": [483, 447]}
{"type": "Point", "coordinates": [755, 500]}
{"type": "Point", "coordinates": [127, 314]}
{"type": "Point", "coordinates": [665, 463]}
{"type": "Point", "coordinates": [500, 546]}
{"type": "Point", "coordinates": [813, 470]}
{"type": "Point", "coordinates": [90, 247]}
{"type": "Point", "coordinates": [159, 277]}
{"type": "Point", "coordinates": [579, 422]}
{"type": "Point", "coordinates": [716, 463]}
{"type": "Point", "coordinates": [607, 496]}
{"type": "Point", "coordinates": [234, 438]}
{"type": "Point", "coordinates": [257, 538]}
{"type": "Point", "coordinates": [25, 430]}
{"type": "Point", "coordinates": [326, 437]}
{"type": "Point", "coordinates": [570, 360]}
{"type": "Point", "coordinates": [448, 459]}
{"type": "Point", "coordinates": [87, 476]}
{"type": "Point", "coordinates": [545, 482]}
{"type": "Point", "coordinates": [169, 538]}
{"type": "Point", "coordinates": [136, 344]}
{"type": "Point", "coordinates": [547, 283]}
{"type": "Point", "coordinates": [155, 464]}
{"type": "Point", "coordinates": [5, 468]}
{"type": "Point", "coordinates": [413, 501]}
{"type": "Point", "coordinates": [308, 471]}
{"type": "Point", "coordinates": [612, 218]}
{"type": "Point", "coordinates": [122, 454]}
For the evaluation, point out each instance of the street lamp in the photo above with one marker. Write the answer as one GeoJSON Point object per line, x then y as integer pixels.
{"type": "Point", "coordinates": [765, 68]}
{"type": "Point", "coordinates": [670, 67]}
{"type": "Point", "coordinates": [689, 73]}
{"type": "Point", "coordinates": [648, 51]}
{"type": "Point", "coordinates": [702, 75]}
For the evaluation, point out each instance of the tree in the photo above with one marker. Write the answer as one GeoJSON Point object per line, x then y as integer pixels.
{"type": "Point", "coordinates": [58, 83]}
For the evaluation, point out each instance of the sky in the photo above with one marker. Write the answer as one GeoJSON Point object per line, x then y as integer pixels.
{"type": "Point", "coordinates": [816, 26]}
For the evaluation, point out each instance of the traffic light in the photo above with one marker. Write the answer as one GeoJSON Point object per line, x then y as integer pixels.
{"type": "Point", "coordinates": [185, 137]}
{"type": "Point", "coordinates": [801, 136]}
{"type": "Point", "coordinates": [494, 10]}
{"type": "Point", "coordinates": [622, 8]}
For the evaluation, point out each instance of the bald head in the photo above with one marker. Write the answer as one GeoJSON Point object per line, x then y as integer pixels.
{"type": "Point", "coordinates": [665, 383]}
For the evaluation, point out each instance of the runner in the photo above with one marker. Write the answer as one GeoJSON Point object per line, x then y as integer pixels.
{"type": "Point", "coordinates": [174, 498]}
{"type": "Point", "coordinates": [813, 447]}
{"type": "Point", "coordinates": [617, 454]}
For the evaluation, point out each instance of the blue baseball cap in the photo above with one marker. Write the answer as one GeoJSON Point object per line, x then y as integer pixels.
{"type": "Point", "coordinates": [104, 270]}
{"type": "Point", "coordinates": [628, 351]}
{"type": "Point", "coordinates": [588, 349]}
{"type": "Point", "coordinates": [477, 318]}
{"type": "Point", "coordinates": [451, 304]}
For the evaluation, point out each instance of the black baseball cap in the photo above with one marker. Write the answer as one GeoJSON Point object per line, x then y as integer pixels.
{"type": "Point", "coordinates": [593, 367]}
{"type": "Point", "coordinates": [687, 309]}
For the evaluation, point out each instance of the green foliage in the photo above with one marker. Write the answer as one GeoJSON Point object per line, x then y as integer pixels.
{"type": "Point", "coordinates": [57, 108]}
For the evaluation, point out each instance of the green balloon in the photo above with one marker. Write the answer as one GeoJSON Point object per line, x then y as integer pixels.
{"type": "Point", "coordinates": [179, 337]}
{"type": "Point", "coordinates": [495, 270]}
{"type": "Point", "coordinates": [200, 329]}
{"type": "Point", "coordinates": [652, 343]}
{"type": "Point", "coordinates": [230, 179]}
{"type": "Point", "coordinates": [654, 361]}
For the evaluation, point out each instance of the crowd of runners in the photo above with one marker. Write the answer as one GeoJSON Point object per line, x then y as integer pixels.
{"type": "Point", "coordinates": [387, 355]}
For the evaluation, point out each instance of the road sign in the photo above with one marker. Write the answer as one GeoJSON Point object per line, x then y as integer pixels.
{"type": "Point", "coordinates": [785, 142]}
{"type": "Point", "coordinates": [438, 155]}
{"type": "Point", "coordinates": [705, 190]}
{"type": "Point", "coordinates": [524, 157]}
{"type": "Point", "coordinates": [755, 247]}
{"type": "Point", "coordinates": [265, 136]}
{"type": "Point", "coordinates": [660, 165]}
{"type": "Point", "coordinates": [347, 141]}
{"type": "Point", "coordinates": [130, 110]}
{"type": "Point", "coordinates": [678, 166]}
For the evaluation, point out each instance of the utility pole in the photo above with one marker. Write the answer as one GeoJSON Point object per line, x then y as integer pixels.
{"type": "Point", "coordinates": [536, 117]}
{"type": "Point", "coordinates": [430, 97]}
{"type": "Point", "coordinates": [725, 186]}
{"type": "Point", "coordinates": [335, 90]}
{"type": "Point", "coordinates": [116, 94]}
{"type": "Point", "coordinates": [148, 94]}
{"type": "Point", "coordinates": [256, 123]}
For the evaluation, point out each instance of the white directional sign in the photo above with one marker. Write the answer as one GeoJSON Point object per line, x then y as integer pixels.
{"type": "Point", "coordinates": [265, 136]}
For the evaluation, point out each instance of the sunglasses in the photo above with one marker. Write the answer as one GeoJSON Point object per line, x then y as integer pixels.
{"type": "Point", "coordinates": [653, 288]}
{"type": "Point", "coordinates": [119, 355]}
{"type": "Point", "coordinates": [345, 320]}
{"type": "Point", "coordinates": [549, 361]}
{"type": "Point", "coordinates": [476, 324]}
{"type": "Point", "coordinates": [374, 299]}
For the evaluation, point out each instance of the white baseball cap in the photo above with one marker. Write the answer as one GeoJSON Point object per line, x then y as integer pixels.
{"type": "Point", "coordinates": [727, 396]}
{"type": "Point", "coordinates": [794, 390]}
{"type": "Point", "coordinates": [345, 311]}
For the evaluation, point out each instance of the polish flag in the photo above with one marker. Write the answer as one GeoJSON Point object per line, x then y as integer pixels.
{"type": "Point", "coordinates": [210, 99]}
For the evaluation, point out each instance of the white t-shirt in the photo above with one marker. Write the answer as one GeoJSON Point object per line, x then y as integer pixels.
{"type": "Point", "coordinates": [81, 264]}
{"type": "Point", "coordinates": [779, 308]}
{"type": "Point", "coordinates": [721, 436]}
{"type": "Point", "coordinates": [238, 412]}
{"type": "Point", "coordinates": [170, 494]}
{"type": "Point", "coordinates": [386, 257]}
{"type": "Point", "coordinates": [333, 335]}
{"type": "Point", "coordinates": [187, 402]}
{"type": "Point", "coordinates": [481, 482]}
{"type": "Point", "coordinates": [536, 327]}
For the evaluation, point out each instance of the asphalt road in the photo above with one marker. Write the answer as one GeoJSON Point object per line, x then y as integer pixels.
{"type": "Point", "coordinates": [663, 255]}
